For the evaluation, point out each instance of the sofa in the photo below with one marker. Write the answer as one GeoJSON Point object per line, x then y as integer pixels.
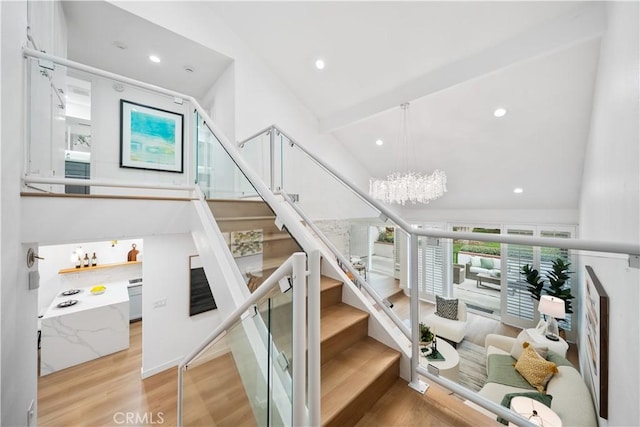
{"type": "Point", "coordinates": [571, 398]}
{"type": "Point", "coordinates": [479, 263]}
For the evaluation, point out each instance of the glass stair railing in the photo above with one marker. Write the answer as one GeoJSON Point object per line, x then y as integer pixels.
{"type": "Point", "coordinates": [244, 377]}
{"type": "Point", "coordinates": [246, 221]}
{"type": "Point", "coordinates": [252, 369]}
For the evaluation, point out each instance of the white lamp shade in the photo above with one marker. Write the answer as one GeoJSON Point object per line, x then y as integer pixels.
{"type": "Point", "coordinates": [552, 306]}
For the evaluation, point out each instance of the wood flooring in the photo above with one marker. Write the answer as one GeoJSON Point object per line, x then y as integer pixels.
{"type": "Point", "coordinates": [107, 390]}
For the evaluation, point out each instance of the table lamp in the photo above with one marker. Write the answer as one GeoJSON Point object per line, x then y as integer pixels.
{"type": "Point", "coordinates": [552, 307]}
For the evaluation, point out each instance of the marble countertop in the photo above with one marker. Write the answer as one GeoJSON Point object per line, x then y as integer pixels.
{"type": "Point", "coordinates": [115, 293]}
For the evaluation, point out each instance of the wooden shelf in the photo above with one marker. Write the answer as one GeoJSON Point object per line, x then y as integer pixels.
{"type": "Point", "coordinates": [97, 267]}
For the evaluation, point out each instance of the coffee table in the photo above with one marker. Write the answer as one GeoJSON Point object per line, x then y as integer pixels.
{"type": "Point", "coordinates": [449, 367]}
{"type": "Point", "coordinates": [488, 280]}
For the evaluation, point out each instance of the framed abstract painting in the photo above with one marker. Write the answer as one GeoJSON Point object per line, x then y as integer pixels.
{"type": "Point", "coordinates": [150, 138]}
{"type": "Point", "coordinates": [596, 319]}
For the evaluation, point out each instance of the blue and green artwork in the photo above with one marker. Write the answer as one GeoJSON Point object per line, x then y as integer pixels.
{"type": "Point", "coordinates": [153, 139]}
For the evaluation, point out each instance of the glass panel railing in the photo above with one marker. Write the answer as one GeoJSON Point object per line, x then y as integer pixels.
{"type": "Point", "coordinates": [83, 126]}
{"type": "Point", "coordinates": [277, 315]}
{"type": "Point", "coordinates": [244, 377]}
{"type": "Point", "coordinates": [257, 154]}
{"type": "Point", "coordinates": [218, 176]}
{"type": "Point", "coordinates": [248, 225]}
{"type": "Point", "coordinates": [360, 234]}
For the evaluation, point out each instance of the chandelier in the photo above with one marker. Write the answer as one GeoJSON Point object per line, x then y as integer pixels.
{"type": "Point", "coordinates": [401, 187]}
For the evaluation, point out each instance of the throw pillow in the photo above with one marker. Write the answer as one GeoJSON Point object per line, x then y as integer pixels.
{"type": "Point", "coordinates": [524, 337]}
{"type": "Point", "coordinates": [486, 263]}
{"type": "Point", "coordinates": [535, 369]}
{"type": "Point", "coordinates": [542, 398]}
{"type": "Point", "coordinates": [475, 261]}
{"type": "Point", "coordinates": [447, 308]}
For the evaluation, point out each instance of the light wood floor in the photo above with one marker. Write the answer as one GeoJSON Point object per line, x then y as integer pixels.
{"type": "Point", "coordinates": [93, 393]}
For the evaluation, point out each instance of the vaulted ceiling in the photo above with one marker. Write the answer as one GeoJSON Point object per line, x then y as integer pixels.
{"type": "Point", "coordinates": [455, 62]}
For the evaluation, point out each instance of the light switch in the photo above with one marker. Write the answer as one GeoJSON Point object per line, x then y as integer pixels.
{"type": "Point", "coordinates": [34, 279]}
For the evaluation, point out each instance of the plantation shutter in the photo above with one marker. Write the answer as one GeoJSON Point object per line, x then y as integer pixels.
{"type": "Point", "coordinates": [519, 304]}
{"type": "Point", "coordinates": [430, 269]}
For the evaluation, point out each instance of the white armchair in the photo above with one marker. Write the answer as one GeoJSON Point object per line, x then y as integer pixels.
{"type": "Point", "coordinates": [451, 330]}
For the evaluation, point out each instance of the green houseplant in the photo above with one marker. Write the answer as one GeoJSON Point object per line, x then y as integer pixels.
{"type": "Point", "coordinates": [557, 286]}
{"type": "Point", "coordinates": [426, 336]}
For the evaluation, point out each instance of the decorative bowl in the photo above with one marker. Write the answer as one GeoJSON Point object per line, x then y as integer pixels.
{"type": "Point", "coordinates": [98, 289]}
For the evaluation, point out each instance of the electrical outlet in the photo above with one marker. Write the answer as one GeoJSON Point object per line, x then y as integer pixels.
{"type": "Point", "coordinates": [160, 303]}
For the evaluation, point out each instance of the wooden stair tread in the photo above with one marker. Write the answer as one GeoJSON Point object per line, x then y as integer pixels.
{"type": "Point", "coordinates": [267, 237]}
{"type": "Point", "coordinates": [351, 372]}
{"type": "Point", "coordinates": [327, 283]}
{"type": "Point", "coordinates": [244, 218]}
{"type": "Point", "coordinates": [338, 317]}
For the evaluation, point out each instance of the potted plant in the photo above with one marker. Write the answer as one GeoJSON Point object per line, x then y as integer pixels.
{"type": "Point", "coordinates": [557, 286]}
{"type": "Point", "coordinates": [426, 336]}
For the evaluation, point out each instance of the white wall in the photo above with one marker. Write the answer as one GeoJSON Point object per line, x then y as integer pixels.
{"type": "Point", "coordinates": [58, 257]}
{"type": "Point", "coordinates": [610, 204]}
{"type": "Point", "coordinates": [18, 305]}
{"type": "Point", "coordinates": [168, 332]}
{"type": "Point", "coordinates": [220, 102]}
{"type": "Point", "coordinates": [105, 135]}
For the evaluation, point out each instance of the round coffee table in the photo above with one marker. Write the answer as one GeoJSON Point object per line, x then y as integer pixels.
{"type": "Point", "coordinates": [448, 367]}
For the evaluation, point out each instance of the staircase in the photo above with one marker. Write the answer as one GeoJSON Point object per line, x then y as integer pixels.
{"type": "Point", "coordinates": [237, 216]}
{"type": "Point", "coordinates": [356, 369]}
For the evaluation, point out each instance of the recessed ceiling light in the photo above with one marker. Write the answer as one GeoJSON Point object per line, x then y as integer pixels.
{"type": "Point", "coordinates": [320, 64]}
{"type": "Point", "coordinates": [119, 45]}
{"type": "Point", "coordinates": [500, 112]}
{"type": "Point", "coordinates": [379, 142]}
{"type": "Point", "coordinates": [518, 190]}
{"type": "Point", "coordinates": [189, 69]}
{"type": "Point", "coordinates": [154, 58]}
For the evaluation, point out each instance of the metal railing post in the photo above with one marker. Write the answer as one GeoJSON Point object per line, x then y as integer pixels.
{"type": "Point", "coordinates": [313, 303]}
{"type": "Point", "coordinates": [272, 159]}
{"type": "Point", "coordinates": [416, 383]}
{"type": "Point", "coordinates": [299, 341]}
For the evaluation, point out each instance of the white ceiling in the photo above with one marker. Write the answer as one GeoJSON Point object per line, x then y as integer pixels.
{"type": "Point", "coordinates": [94, 26]}
{"type": "Point", "coordinates": [454, 61]}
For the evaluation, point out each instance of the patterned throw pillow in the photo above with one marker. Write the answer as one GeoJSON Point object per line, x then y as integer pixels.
{"type": "Point", "coordinates": [447, 308]}
{"type": "Point", "coordinates": [535, 369]}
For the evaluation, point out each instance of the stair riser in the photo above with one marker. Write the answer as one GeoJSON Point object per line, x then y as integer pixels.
{"type": "Point", "coordinates": [281, 247]}
{"type": "Point", "coordinates": [238, 208]}
{"type": "Point", "coordinates": [345, 338]}
{"type": "Point", "coordinates": [353, 411]}
{"type": "Point", "coordinates": [331, 296]}
{"type": "Point", "coordinates": [267, 225]}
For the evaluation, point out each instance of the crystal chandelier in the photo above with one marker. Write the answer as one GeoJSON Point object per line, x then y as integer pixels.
{"type": "Point", "coordinates": [400, 187]}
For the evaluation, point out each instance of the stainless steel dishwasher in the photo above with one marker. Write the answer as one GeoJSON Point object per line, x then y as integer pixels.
{"type": "Point", "coordinates": [135, 299]}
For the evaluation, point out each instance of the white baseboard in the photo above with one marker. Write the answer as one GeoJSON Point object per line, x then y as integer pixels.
{"type": "Point", "coordinates": [146, 373]}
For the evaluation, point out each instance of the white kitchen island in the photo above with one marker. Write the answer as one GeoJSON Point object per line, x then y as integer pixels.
{"type": "Point", "coordinates": [94, 327]}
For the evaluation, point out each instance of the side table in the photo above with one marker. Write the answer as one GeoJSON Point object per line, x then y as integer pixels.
{"type": "Point", "coordinates": [458, 273]}
{"type": "Point", "coordinates": [560, 347]}
{"type": "Point", "coordinates": [536, 412]}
